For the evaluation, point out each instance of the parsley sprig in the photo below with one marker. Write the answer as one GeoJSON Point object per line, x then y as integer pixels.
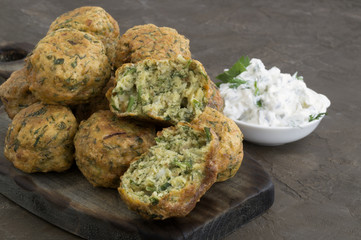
{"type": "Point", "coordinates": [230, 75]}
{"type": "Point", "coordinates": [316, 117]}
{"type": "Point", "coordinates": [295, 75]}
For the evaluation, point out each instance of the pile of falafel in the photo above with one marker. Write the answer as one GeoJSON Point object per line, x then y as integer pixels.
{"type": "Point", "coordinates": [133, 111]}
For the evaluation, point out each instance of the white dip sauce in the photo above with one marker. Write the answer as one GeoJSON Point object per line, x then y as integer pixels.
{"type": "Point", "coordinates": [271, 98]}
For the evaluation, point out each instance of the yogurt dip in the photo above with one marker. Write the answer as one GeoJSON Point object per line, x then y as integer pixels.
{"type": "Point", "coordinates": [271, 98]}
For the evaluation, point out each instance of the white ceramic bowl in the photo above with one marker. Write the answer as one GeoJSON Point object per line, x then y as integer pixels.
{"type": "Point", "coordinates": [273, 136]}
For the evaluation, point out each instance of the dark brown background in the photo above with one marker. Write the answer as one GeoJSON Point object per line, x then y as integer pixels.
{"type": "Point", "coordinates": [317, 180]}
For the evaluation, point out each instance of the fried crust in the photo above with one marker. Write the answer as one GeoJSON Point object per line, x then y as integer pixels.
{"type": "Point", "coordinates": [149, 41]}
{"type": "Point", "coordinates": [105, 145]}
{"type": "Point", "coordinates": [93, 20]}
{"type": "Point", "coordinates": [67, 67]}
{"type": "Point", "coordinates": [40, 138]}
{"type": "Point", "coordinates": [15, 93]}
{"type": "Point", "coordinates": [215, 99]}
{"type": "Point", "coordinates": [230, 154]}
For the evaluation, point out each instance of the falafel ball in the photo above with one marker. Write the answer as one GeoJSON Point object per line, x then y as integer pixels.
{"type": "Point", "coordinates": [105, 145]}
{"type": "Point", "coordinates": [15, 93]}
{"type": "Point", "coordinates": [166, 91]}
{"type": "Point", "coordinates": [230, 153]}
{"type": "Point", "coordinates": [149, 41]}
{"type": "Point", "coordinates": [40, 138]}
{"type": "Point", "coordinates": [68, 67]}
{"type": "Point", "coordinates": [94, 20]}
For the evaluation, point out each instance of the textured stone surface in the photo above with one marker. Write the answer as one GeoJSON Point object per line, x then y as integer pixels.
{"type": "Point", "coordinates": [317, 180]}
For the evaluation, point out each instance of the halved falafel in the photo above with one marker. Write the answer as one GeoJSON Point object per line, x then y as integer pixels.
{"type": "Point", "coordinates": [230, 153]}
{"type": "Point", "coordinates": [168, 91]}
{"type": "Point", "coordinates": [171, 177]}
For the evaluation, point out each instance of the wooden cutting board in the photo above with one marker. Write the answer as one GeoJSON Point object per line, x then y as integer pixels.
{"type": "Point", "coordinates": [68, 201]}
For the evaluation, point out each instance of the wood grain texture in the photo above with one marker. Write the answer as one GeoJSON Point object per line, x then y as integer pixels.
{"type": "Point", "coordinates": [68, 201]}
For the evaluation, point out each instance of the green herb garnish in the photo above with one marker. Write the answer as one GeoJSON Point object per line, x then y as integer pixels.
{"type": "Point", "coordinates": [230, 75]}
{"type": "Point", "coordinates": [61, 125]}
{"type": "Point", "coordinates": [256, 89]}
{"type": "Point", "coordinates": [196, 104]}
{"type": "Point", "coordinates": [41, 111]}
{"type": "Point", "coordinates": [189, 166]}
{"type": "Point", "coordinates": [297, 77]}
{"type": "Point", "coordinates": [131, 103]}
{"type": "Point", "coordinates": [234, 83]}
{"type": "Point", "coordinates": [59, 61]}
{"type": "Point", "coordinates": [75, 63]}
{"type": "Point", "coordinates": [130, 70]}
{"type": "Point", "coordinates": [80, 57]}
{"type": "Point", "coordinates": [72, 42]}
{"type": "Point", "coordinates": [87, 37]}
{"type": "Point", "coordinates": [139, 94]}
{"type": "Point", "coordinates": [16, 145]}
{"type": "Point", "coordinates": [40, 135]}
{"type": "Point", "coordinates": [188, 63]}
{"type": "Point", "coordinates": [208, 134]}
{"type": "Point", "coordinates": [150, 188]}
{"type": "Point", "coordinates": [177, 74]}
{"type": "Point", "coordinates": [133, 184]}
{"type": "Point", "coordinates": [165, 186]}
{"type": "Point", "coordinates": [154, 201]}
{"type": "Point", "coordinates": [186, 166]}
{"type": "Point", "coordinates": [176, 163]}
{"type": "Point", "coordinates": [115, 107]}
{"type": "Point", "coordinates": [260, 103]}
{"type": "Point", "coordinates": [316, 117]}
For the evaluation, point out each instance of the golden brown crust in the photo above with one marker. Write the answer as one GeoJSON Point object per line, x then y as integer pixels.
{"type": "Point", "coordinates": [67, 67]}
{"type": "Point", "coordinates": [149, 41]}
{"type": "Point", "coordinates": [94, 20]}
{"type": "Point", "coordinates": [177, 203]}
{"type": "Point", "coordinates": [230, 154]}
{"type": "Point", "coordinates": [188, 199]}
{"type": "Point", "coordinates": [105, 145]}
{"type": "Point", "coordinates": [15, 93]}
{"type": "Point", "coordinates": [40, 138]}
{"type": "Point", "coordinates": [215, 99]}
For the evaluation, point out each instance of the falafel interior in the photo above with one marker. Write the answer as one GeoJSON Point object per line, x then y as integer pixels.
{"type": "Point", "coordinates": [170, 178]}
{"type": "Point", "coordinates": [173, 90]}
